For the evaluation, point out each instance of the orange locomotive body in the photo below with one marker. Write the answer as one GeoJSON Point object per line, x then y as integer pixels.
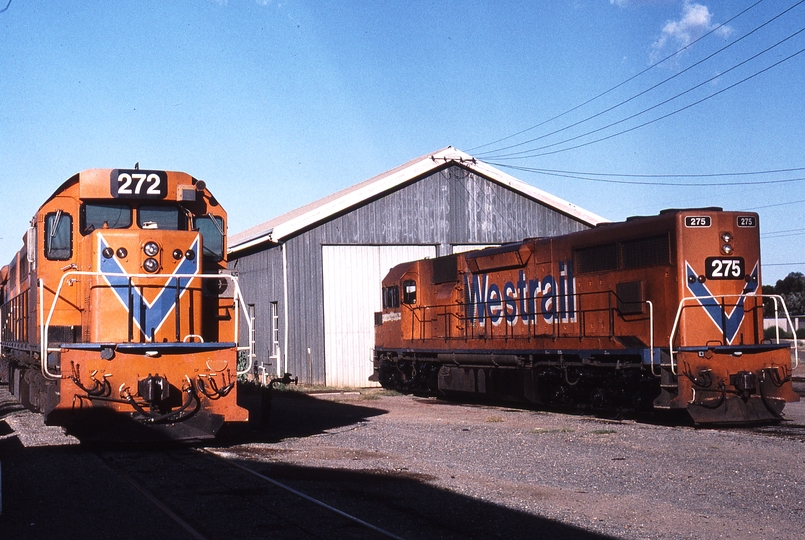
{"type": "Point", "coordinates": [660, 312]}
{"type": "Point", "coordinates": [119, 306]}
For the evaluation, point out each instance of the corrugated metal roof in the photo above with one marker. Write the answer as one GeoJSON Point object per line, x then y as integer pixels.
{"type": "Point", "coordinates": [281, 227]}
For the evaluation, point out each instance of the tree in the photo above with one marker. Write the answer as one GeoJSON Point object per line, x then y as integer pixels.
{"type": "Point", "coordinates": [792, 289]}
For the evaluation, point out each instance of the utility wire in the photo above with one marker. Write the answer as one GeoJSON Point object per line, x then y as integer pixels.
{"type": "Point", "coordinates": [652, 66]}
{"type": "Point", "coordinates": [647, 183]}
{"type": "Point", "coordinates": [663, 117]}
{"type": "Point", "coordinates": [775, 205]}
{"type": "Point", "coordinates": [700, 175]}
{"type": "Point", "coordinates": [498, 156]}
{"type": "Point", "coordinates": [783, 234]}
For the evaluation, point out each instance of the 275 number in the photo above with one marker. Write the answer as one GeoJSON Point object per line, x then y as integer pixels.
{"type": "Point", "coordinates": [724, 268]}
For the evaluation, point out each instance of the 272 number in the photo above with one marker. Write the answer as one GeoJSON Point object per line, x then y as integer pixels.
{"type": "Point", "coordinates": [132, 184]}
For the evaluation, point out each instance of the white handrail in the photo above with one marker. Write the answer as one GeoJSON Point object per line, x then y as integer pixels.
{"type": "Point", "coordinates": [651, 337]}
{"type": "Point", "coordinates": [775, 297]}
{"type": "Point", "coordinates": [44, 325]}
{"type": "Point", "coordinates": [249, 323]}
{"type": "Point", "coordinates": [43, 336]}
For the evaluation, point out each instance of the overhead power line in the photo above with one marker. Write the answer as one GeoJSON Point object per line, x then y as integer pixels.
{"type": "Point", "coordinates": [632, 98]}
{"type": "Point", "coordinates": [697, 175]}
{"type": "Point", "coordinates": [655, 120]}
{"type": "Point", "coordinates": [605, 92]}
{"type": "Point", "coordinates": [610, 180]}
{"type": "Point", "coordinates": [783, 234]}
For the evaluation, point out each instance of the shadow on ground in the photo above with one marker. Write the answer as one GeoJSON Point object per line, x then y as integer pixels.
{"type": "Point", "coordinates": [294, 414]}
{"type": "Point", "coordinates": [408, 506]}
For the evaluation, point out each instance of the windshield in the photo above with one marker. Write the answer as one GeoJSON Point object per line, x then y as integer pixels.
{"type": "Point", "coordinates": [169, 218]}
{"type": "Point", "coordinates": [104, 216]}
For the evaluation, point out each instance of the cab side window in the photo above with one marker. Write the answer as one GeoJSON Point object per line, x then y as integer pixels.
{"type": "Point", "coordinates": [212, 234]}
{"type": "Point", "coordinates": [409, 291]}
{"type": "Point", "coordinates": [58, 236]}
{"type": "Point", "coordinates": [391, 297]}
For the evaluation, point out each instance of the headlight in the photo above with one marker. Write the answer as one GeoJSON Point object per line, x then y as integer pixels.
{"type": "Point", "coordinates": [151, 265]}
{"type": "Point", "coordinates": [151, 249]}
{"type": "Point", "coordinates": [726, 249]}
{"type": "Point", "coordinates": [726, 237]}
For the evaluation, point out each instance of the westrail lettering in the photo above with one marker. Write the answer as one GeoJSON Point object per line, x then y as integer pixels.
{"type": "Point", "coordinates": [528, 300]}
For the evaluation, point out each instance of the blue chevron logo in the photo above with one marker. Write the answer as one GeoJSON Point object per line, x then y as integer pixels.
{"type": "Point", "coordinates": [728, 323]}
{"type": "Point", "coordinates": [147, 316]}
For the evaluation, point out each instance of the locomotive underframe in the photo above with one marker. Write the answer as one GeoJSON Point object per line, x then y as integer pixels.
{"type": "Point", "coordinates": [567, 379]}
{"type": "Point", "coordinates": [702, 383]}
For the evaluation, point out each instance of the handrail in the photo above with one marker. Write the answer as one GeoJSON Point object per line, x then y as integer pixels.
{"type": "Point", "coordinates": [43, 336]}
{"type": "Point", "coordinates": [44, 325]}
{"type": "Point", "coordinates": [421, 316]}
{"type": "Point", "coordinates": [651, 337]}
{"type": "Point", "coordinates": [682, 306]}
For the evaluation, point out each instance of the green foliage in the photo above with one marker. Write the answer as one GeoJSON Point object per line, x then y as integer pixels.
{"type": "Point", "coordinates": [792, 289]}
{"type": "Point", "coordinates": [771, 333]}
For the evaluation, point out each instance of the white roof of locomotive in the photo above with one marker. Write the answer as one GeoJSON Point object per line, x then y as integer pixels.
{"type": "Point", "coordinates": [281, 227]}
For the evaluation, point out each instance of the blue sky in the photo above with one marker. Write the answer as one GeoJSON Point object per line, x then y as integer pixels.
{"type": "Point", "coordinates": [278, 103]}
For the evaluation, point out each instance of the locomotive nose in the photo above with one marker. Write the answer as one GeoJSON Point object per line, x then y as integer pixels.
{"type": "Point", "coordinates": [745, 383]}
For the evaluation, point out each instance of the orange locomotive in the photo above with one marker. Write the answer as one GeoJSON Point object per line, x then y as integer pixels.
{"type": "Point", "coordinates": [660, 312]}
{"type": "Point", "coordinates": [120, 302]}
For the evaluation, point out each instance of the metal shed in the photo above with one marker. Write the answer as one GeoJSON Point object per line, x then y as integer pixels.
{"type": "Point", "coordinates": [313, 274]}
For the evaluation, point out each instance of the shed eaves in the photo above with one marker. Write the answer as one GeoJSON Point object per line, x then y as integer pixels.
{"type": "Point", "coordinates": [281, 227]}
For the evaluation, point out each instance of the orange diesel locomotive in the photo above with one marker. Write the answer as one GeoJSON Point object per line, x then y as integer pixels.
{"type": "Point", "coordinates": [660, 312]}
{"type": "Point", "coordinates": [119, 306]}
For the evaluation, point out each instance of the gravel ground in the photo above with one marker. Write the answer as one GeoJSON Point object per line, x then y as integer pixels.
{"type": "Point", "coordinates": [625, 479]}
{"type": "Point", "coordinates": [620, 479]}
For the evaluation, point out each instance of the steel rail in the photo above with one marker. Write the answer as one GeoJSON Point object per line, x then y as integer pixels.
{"type": "Point", "coordinates": [308, 498]}
{"type": "Point", "coordinates": [153, 498]}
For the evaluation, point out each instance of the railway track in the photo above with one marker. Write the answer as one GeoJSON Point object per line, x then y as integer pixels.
{"type": "Point", "coordinates": [210, 495]}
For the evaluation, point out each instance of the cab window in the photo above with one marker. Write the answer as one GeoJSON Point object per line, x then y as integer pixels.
{"type": "Point", "coordinates": [391, 297]}
{"type": "Point", "coordinates": [104, 216]}
{"type": "Point", "coordinates": [212, 235]}
{"type": "Point", "coordinates": [59, 236]}
{"type": "Point", "coordinates": [168, 218]}
{"type": "Point", "coordinates": [409, 291]}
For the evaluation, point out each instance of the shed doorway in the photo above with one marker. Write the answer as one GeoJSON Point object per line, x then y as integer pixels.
{"type": "Point", "coordinates": [352, 282]}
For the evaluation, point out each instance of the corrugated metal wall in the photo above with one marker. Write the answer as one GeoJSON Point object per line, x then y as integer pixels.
{"type": "Point", "coordinates": [260, 277]}
{"type": "Point", "coordinates": [452, 206]}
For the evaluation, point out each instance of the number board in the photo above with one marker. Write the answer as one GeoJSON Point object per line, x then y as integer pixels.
{"type": "Point", "coordinates": [134, 183]}
{"type": "Point", "coordinates": [724, 268]}
{"type": "Point", "coordinates": [697, 221]}
{"type": "Point", "coordinates": [747, 221]}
